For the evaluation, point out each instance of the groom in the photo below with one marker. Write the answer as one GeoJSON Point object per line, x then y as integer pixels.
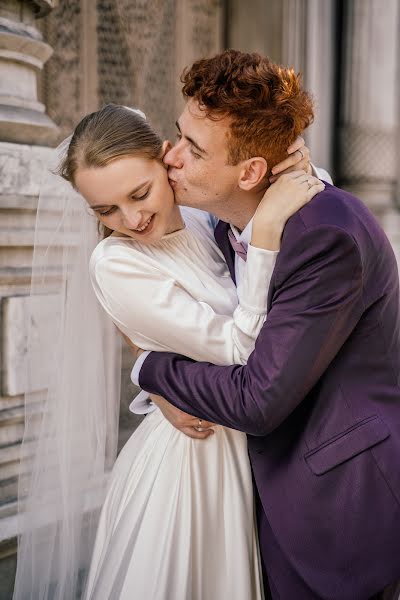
{"type": "Point", "coordinates": [320, 396]}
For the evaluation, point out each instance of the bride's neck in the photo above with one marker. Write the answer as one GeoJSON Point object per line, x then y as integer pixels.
{"type": "Point", "coordinates": [176, 221]}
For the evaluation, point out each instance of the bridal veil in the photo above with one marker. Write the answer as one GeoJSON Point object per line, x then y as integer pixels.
{"type": "Point", "coordinates": [72, 406]}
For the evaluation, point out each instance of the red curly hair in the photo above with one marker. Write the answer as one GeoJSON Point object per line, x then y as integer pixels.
{"type": "Point", "coordinates": [265, 102]}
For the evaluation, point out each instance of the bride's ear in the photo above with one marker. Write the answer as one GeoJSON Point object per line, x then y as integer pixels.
{"type": "Point", "coordinates": [166, 147]}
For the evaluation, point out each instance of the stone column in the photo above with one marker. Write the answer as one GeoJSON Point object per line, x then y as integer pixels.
{"type": "Point", "coordinates": [369, 109]}
{"type": "Point", "coordinates": [22, 54]}
{"type": "Point", "coordinates": [301, 34]}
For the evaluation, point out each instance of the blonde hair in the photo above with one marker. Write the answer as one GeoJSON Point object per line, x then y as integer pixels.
{"type": "Point", "coordinates": [113, 132]}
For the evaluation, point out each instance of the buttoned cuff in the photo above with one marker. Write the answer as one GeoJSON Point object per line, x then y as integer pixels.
{"type": "Point", "coordinates": [141, 404]}
{"type": "Point", "coordinates": [253, 292]}
{"type": "Point", "coordinates": [137, 366]}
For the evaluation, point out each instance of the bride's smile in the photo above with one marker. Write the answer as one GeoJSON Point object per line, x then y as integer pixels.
{"type": "Point", "coordinates": [132, 196]}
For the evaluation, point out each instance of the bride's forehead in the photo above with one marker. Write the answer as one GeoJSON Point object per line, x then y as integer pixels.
{"type": "Point", "coordinates": [131, 164]}
{"type": "Point", "coordinates": [118, 170]}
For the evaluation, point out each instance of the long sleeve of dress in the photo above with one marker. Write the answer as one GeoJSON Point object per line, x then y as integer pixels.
{"type": "Point", "coordinates": [157, 313]}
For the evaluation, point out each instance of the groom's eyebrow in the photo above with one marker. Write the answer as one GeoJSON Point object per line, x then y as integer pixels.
{"type": "Point", "coordinates": [191, 140]}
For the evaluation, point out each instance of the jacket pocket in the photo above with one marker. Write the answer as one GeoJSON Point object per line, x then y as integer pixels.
{"type": "Point", "coordinates": [349, 443]}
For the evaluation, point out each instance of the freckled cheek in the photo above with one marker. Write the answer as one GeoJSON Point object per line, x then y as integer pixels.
{"type": "Point", "coordinates": [195, 178]}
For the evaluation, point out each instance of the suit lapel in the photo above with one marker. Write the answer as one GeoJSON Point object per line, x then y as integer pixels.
{"type": "Point", "coordinates": [271, 291]}
{"type": "Point", "coordinates": [221, 237]}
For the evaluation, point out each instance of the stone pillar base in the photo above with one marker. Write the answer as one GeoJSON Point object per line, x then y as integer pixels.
{"type": "Point", "coordinates": [26, 126]}
{"type": "Point", "coordinates": [22, 54]}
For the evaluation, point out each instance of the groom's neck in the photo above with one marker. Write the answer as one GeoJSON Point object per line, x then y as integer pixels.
{"type": "Point", "coordinates": [242, 209]}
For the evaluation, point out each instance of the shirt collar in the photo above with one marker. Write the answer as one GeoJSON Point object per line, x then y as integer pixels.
{"type": "Point", "coordinates": [243, 237]}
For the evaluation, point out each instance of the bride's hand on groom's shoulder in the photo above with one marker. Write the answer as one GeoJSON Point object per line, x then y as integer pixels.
{"type": "Point", "coordinates": [193, 427]}
{"type": "Point", "coordinates": [280, 202]}
{"type": "Point", "coordinates": [298, 159]}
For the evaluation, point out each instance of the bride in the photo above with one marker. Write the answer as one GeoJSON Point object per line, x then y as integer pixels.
{"type": "Point", "coordinates": [178, 520]}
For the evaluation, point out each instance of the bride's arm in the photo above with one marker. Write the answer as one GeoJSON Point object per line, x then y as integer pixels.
{"type": "Point", "coordinates": [157, 313]}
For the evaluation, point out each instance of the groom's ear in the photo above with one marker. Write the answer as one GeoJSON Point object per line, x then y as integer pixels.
{"type": "Point", "coordinates": [252, 173]}
{"type": "Point", "coordinates": [166, 147]}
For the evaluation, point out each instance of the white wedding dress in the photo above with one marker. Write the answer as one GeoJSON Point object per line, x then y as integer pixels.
{"type": "Point", "coordinates": [178, 521]}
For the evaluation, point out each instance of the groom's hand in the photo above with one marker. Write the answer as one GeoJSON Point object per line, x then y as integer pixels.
{"type": "Point", "coordinates": [187, 424]}
{"type": "Point", "coordinates": [299, 158]}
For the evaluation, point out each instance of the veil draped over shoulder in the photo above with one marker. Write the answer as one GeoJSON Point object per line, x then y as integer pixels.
{"type": "Point", "coordinates": [72, 402]}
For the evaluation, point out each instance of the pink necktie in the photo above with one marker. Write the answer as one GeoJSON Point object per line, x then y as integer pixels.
{"type": "Point", "coordinates": [238, 247]}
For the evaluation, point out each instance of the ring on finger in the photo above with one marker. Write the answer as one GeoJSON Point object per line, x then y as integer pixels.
{"type": "Point", "coordinates": [301, 152]}
{"type": "Point", "coordinates": [310, 183]}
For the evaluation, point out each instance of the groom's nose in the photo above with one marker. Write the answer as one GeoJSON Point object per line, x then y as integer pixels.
{"type": "Point", "coordinates": [173, 157]}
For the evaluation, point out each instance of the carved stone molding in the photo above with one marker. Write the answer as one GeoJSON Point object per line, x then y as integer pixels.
{"type": "Point", "coordinates": [43, 7]}
{"type": "Point", "coordinates": [22, 55]}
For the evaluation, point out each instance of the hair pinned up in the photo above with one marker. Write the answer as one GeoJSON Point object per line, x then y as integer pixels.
{"type": "Point", "coordinates": [113, 132]}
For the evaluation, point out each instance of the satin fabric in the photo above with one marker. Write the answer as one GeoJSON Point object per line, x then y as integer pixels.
{"type": "Point", "coordinates": [178, 521]}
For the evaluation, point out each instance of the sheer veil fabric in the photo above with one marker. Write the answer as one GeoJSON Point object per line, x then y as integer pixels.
{"type": "Point", "coordinates": [71, 403]}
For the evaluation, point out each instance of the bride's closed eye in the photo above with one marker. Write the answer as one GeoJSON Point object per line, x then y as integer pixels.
{"type": "Point", "coordinates": [114, 208]}
{"type": "Point", "coordinates": [142, 197]}
{"type": "Point", "coordinates": [107, 212]}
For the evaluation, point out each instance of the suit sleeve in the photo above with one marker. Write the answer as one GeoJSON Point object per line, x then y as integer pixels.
{"type": "Point", "coordinates": [317, 303]}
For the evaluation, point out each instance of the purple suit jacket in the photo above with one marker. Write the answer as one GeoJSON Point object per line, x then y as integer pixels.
{"type": "Point", "coordinates": [320, 402]}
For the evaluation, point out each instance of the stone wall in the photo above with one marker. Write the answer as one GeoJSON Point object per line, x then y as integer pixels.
{"type": "Point", "coordinates": [23, 122]}
{"type": "Point", "coordinates": [101, 51]}
{"type": "Point", "coordinates": [126, 52]}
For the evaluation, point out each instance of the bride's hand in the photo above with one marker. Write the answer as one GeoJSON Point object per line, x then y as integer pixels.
{"type": "Point", "coordinates": [193, 427]}
{"type": "Point", "coordinates": [298, 158]}
{"type": "Point", "coordinates": [281, 201]}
